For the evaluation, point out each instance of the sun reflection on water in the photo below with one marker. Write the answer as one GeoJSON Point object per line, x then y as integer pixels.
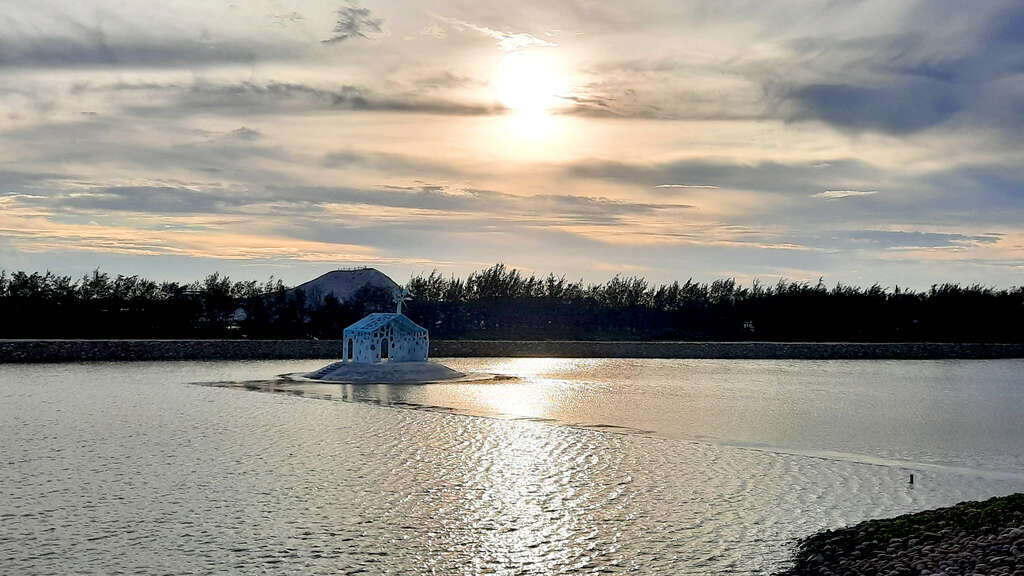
{"type": "Point", "coordinates": [531, 367]}
{"type": "Point", "coordinates": [539, 391]}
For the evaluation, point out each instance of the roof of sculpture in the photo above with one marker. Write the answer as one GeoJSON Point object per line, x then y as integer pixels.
{"type": "Point", "coordinates": [378, 320]}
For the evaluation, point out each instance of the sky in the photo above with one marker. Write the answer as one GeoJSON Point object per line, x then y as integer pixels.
{"type": "Point", "coordinates": [859, 141]}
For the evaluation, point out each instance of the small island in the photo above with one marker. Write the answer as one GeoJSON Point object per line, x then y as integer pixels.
{"type": "Point", "coordinates": [387, 348]}
{"type": "Point", "coordinates": [984, 537]}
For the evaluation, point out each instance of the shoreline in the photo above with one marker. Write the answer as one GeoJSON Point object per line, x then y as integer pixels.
{"type": "Point", "coordinates": [980, 537]}
{"type": "Point", "coordinates": [37, 351]}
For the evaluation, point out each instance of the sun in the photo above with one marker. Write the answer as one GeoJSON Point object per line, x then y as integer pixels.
{"type": "Point", "coordinates": [529, 84]}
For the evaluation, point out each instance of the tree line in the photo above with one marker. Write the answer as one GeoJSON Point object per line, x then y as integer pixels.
{"type": "Point", "coordinates": [98, 305]}
{"type": "Point", "coordinates": [503, 303]}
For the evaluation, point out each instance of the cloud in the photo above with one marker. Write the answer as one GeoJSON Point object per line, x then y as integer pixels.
{"type": "Point", "coordinates": [388, 163]}
{"type": "Point", "coordinates": [689, 186]}
{"type": "Point", "coordinates": [762, 176]}
{"type": "Point", "coordinates": [287, 18]}
{"type": "Point", "coordinates": [277, 97]}
{"type": "Point", "coordinates": [440, 200]}
{"type": "Point", "coordinates": [355, 22]}
{"type": "Point", "coordinates": [669, 88]}
{"type": "Point", "coordinates": [918, 239]}
{"type": "Point", "coordinates": [507, 41]}
{"type": "Point", "coordinates": [244, 133]}
{"type": "Point", "coordinates": [12, 181]}
{"type": "Point", "coordinates": [447, 200]}
{"type": "Point", "coordinates": [172, 220]}
{"type": "Point", "coordinates": [434, 30]}
{"type": "Point", "coordinates": [150, 199]}
{"type": "Point", "coordinates": [174, 99]}
{"type": "Point", "coordinates": [903, 106]}
{"type": "Point", "coordinates": [94, 49]}
{"type": "Point", "coordinates": [49, 237]}
{"type": "Point", "coordinates": [837, 194]}
{"type": "Point", "coordinates": [930, 67]}
{"type": "Point", "coordinates": [444, 79]}
{"type": "Point", "coordinates": [439, 211]}
{"type": "Point", "coordinates": [112, 228]}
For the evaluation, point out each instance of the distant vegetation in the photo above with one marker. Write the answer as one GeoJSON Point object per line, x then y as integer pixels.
{"type": "Point", "coordinates": [102, 306]}
{"type": "Point", "coordinates": [502, 303]}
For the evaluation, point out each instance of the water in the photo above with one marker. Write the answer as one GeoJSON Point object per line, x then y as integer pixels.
{"type": "Point", "coordinates": [577, 466]}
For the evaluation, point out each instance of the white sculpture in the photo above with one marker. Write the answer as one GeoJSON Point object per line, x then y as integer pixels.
{"type": "Point", "coordinates": [402, 295]}
{"type": "Point", "coordinates": [382, 337]}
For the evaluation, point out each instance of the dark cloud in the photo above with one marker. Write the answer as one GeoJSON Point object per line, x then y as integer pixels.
{"type": "Point", "coordinates": [14, 181]}
{"type": "Point", "coordinates": [801, 177]}
{"type": "Point", "coordinates": [915, 239]}
{"type": "Point", "coordinates": [980, 193]}
{"type": "Point", "coordinates": [491, 203]}
{"type": "Point", "coordinates": [354, 22]}
{"type": "Point", "coordinates": [150, 199]}
{"type": "Point", "coordinates": [302, 202]}
{"type": "Point", "coordinates": [989, 193]}
{"type": "Point", "coordinates": [445, 79]}
{"type": "Point", "coordinates": [605, 107]}
{"type": "Point", "coordinates": [650, 89]}
{"type": "Point", "coordinates": [1008, 29]}
{"type": "Point", "coordinates": [98, 141]}
{"type": "Point", "coordinates": [905, 106]}
{"type": "Point", "coordinates": [911, 81]}
{"type": "Point", "coordinates": [95, 50]}
{"type": "Point", "coordinates": [999, 183]}
{"type": "Point", "coordinates": [247, 134]}
{"type": "Point", "coordinates": [279, 97]}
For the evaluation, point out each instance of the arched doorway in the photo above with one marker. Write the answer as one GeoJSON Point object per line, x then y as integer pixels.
{"type": "Point", "coordinates": [384, 352]}
{"type": "Point", "coordinates": [351, 349]}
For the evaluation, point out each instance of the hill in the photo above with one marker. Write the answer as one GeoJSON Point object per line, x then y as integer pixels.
{"type": "Point", "coordinates": [343, 284]}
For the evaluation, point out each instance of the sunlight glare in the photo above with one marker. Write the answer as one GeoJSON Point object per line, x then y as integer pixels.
{"type": "Point", "coordinates": [529, 84]}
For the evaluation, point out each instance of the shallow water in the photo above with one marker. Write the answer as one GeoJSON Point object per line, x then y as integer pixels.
{"type": "Point", "coordinates": [577, 466]}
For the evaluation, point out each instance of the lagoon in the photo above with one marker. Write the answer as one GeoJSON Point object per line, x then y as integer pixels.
{"type": "Point", "coordinates": [574, 465]}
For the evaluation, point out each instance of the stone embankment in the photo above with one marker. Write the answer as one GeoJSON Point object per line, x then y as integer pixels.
{"type": "Point", "coordinates": [130, 350]}
{"type": "Point", "coordinates": [725, 350]}
{"type": "Point", "coordinates": [122, 350]}
{"type": "Point", "coordinates": [971, 538]}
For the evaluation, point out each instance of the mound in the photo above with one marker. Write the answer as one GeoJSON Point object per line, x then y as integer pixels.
{"type": "Point", "coordinates": [343, 284]}
{"type": "Point", "coordinates": [388, 372]}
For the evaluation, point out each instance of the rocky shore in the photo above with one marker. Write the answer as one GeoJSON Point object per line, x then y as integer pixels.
{"type": "Point", "coordinates": [971, 538]}
{"type": "Point", "coordinates": [126, 350]}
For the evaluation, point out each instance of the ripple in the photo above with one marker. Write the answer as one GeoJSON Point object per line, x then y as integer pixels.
{"type": "Point", "coordinates": [143, 475]}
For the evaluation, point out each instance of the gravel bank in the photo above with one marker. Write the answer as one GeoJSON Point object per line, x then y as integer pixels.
{"type": "Point", "coordinates": [970, 538]}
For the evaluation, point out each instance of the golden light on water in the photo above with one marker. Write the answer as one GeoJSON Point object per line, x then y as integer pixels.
{"type": "Point", "coordinates": [533, 367]}
{"type": "Point", "coordinates": [541, 388]}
